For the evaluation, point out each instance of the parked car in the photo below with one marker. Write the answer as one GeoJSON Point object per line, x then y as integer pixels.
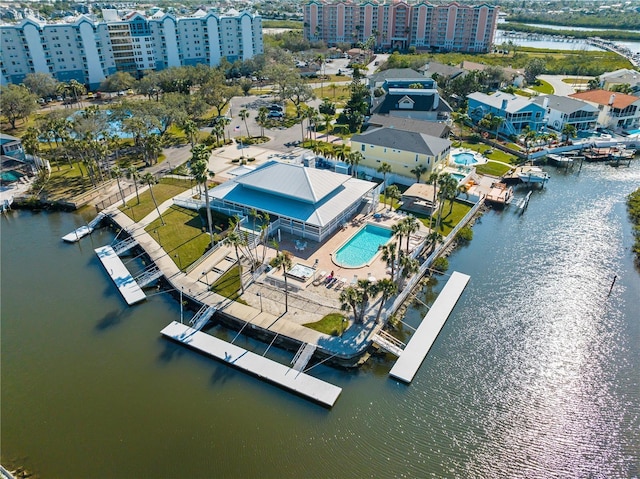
{"type": "Point", "coordinates": [275, 107]}
{"type": "Point", "coordinates": [275, 114]}
{"type": "Point", "coordinates": [90, 96]}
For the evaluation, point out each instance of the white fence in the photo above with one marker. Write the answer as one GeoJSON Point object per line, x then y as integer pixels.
{"type": "Point", "coordinates": [402, 297]}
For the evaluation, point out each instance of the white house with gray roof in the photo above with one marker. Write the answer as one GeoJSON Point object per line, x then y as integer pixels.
{"type": "Point", "coordinates": [562, 111]}
{"type": "Point", "coordinates": [308, 202]}
{"type": "Point", "coordinates": [402, 150]}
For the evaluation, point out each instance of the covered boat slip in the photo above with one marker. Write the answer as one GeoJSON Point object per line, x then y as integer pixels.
{"type": "Point", "coordinates": [420, 343]}
{"type": "Point", "coordinates": [129, 289]}
{"type": "Point", "coordinates": [288, 378]}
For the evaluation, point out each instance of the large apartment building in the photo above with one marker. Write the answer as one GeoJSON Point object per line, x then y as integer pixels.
{"type": "Point", "coordinates": [398, 24]}
{"type": "Point", "coordinates": [89, 51]}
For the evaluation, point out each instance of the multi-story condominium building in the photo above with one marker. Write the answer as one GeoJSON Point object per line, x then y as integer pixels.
{"type": "Point", "coordinates": [452, 27]}
{"type": "Point", "coordinates": [88, 52]}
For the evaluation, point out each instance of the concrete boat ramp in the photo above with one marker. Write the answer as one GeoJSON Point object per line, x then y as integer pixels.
{"type": "Point", "coordinates": [418, 347]}
{"type": "Point", "coordinates": [264, 368]}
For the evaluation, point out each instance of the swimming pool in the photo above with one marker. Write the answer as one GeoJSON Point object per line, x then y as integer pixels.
{"type": "Point", "coordinates": [362, 247]}
{"type": "Point", "coordinates": [464, 159]}
{"type": "Point", "coordinates": [458, 176]}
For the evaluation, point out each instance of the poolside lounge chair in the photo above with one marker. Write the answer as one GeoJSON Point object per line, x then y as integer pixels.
{"type": "Point", "coordinates": [342, 283]}
{"type": "Point", "coordinates": [320, 277]}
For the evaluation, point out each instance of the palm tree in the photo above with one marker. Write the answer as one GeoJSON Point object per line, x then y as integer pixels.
{"type": "Point", "coordinates": [117, 173]}
{"type": "Point", "coordinates": [132, 174]}
{"type": "Point", "coordinates": [235, 239]}
{"type": "Point", "coordinates": [351, 297]}
{"type": "Point", "coordinates": [313, 117]}
{"type": "Point", "coordinates": [393, 193]}
{"type": "Point", "coordinates": [150, 180]}
{"type": "Point", "coordinates": [495, 124]}
{"type": "Point", "coordinates": [409, 266]}
{"type": "Point", "coordinates": [261, 118]}
{"type": "Point", "coordinates": [388, 288]}
{"type": "Point", "coordinates": [411, 225]}
{"type": "Point", "coordinates": [389, 256]}
{"type": "Point", "coordinates": [568, 131]}
{"type": "Point", "coordinates": [448, 187]}
{"type": "Point", "coordinates": [433, 180]}
{"type": "Point", "coordinates": [199, 166]}
{"type": "Point", "coordinates": [367, 289]}
{"type": "Point", "coordinates": [76, 88]}
{"type": "Point", "coordinates": [385, 169]}
{"type": "Point", "coordinates": [397, 230]}
{"type": "Point", "coordinates": [244, 114]}
{"type": "Point", "coordinates": [419, 170]}
{"type": "Point", "coordinates": [190, 129]}
{"type": "Point", "coordinates": [434, 237]}
{"type": "Point", "coordinates": [354, 158]}
{"type": "Point", "coordinates": [283, 260]}
{"type": "Point", "coordinates": [326, 118]}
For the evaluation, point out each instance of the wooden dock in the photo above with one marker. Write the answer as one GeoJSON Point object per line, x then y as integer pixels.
{"type": "Point", "coordinates": [129, 289]}
{"type": "Point", "coordinates": [264, 368]}
{"type": "Point", "coordinates": [420, 343]}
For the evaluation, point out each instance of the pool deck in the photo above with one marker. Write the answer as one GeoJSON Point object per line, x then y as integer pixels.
{"type": "Point", "coordinates": [423, 338]}
{"type": "Point", "coordinates": [264, 368]}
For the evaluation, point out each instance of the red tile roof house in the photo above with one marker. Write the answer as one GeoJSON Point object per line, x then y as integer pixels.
{"type": "Point", "coordinates": [617, 111]}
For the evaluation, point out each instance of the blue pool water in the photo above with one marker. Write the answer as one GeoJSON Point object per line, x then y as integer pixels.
{"type": "Point", "coordinates": [633, 132]}
{"type": "Point", "coordinates": [458, 176]}
{"type": "Point", "coordinates": [362, 246]}
{"type": "Point", "coordinates": [464, 159]}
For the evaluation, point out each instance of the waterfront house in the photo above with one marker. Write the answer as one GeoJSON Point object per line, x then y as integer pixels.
{"type": "Point", "coordinates": [431, 128]}
{"type": "Point", "coordinates": [617, 110]}
{"type": "Point", "coordinates": [519, 112]}
{"type": "Point", "coordinates": [306, 202]}
{"type": "Point", "coordinates": [562, 111]}
{"type": "Point", "coordinates": [411, 98]}
{"type": "Point", "coordinates": [403, 150]}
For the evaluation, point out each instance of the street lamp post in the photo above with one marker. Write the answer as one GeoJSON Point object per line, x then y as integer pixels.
{"type": "Point", "coordinates": [177, 255]}
{"type": "Point", "coordinates": [260, 296]}
{"type": "Point", "coordinates": [158, 235]}
{"type": "Point", "coordinates": [206, 276]}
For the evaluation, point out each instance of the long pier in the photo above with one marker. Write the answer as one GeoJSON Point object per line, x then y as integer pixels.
{"type": "Point", "coordinates": [264, 368]}
{"type": "Point", "coordinates": [420, 343]}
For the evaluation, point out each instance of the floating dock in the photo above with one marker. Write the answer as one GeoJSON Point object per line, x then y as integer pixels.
{"type": "Point", "coordinates": [84, 230]}
{"type": "Point", "coordinates": [264, 368]}
{"type": "Point", "coordinates": [129, 289]}
{"type": "Point", "coordinates": [420, 343]}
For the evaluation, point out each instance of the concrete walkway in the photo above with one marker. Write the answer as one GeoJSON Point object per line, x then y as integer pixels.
{"type": "Point", "coordinates": [270, 315]}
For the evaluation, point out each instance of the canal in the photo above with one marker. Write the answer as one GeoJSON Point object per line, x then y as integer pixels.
{"type": "Point", "coordinates": [536, 373]}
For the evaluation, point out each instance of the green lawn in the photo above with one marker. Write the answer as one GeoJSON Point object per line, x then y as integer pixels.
{"type": "Point", "coordinates": [66, 182]}
{"type": "Point", "coordinates": [167, 188]}
{"type": "Point", "coordinates": [492, 168]}
{"type": "Point", "coordinates": [496, 154]}
{"type": "Point", "coordinates": [183, 236]}
{"type": "Point", "coordinates": [449, 220]}
{"type": "Point", "coordinates": [228, 285]}
{"type": "Point", "coordinates": [543, 87]}
{"type": "Point", "coordinates": [333, 324]}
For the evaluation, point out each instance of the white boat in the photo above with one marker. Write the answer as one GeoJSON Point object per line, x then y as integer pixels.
{"type": "Point", "coordinates": [533, 174]}
{"type": "Point", "coordinates": [560, 160]}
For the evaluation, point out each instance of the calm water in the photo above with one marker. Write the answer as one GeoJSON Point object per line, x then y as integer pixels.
{"type": "Point", "coordinates": [536, 373]}
{"type": "Point", "coordinates": [576, 45]}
